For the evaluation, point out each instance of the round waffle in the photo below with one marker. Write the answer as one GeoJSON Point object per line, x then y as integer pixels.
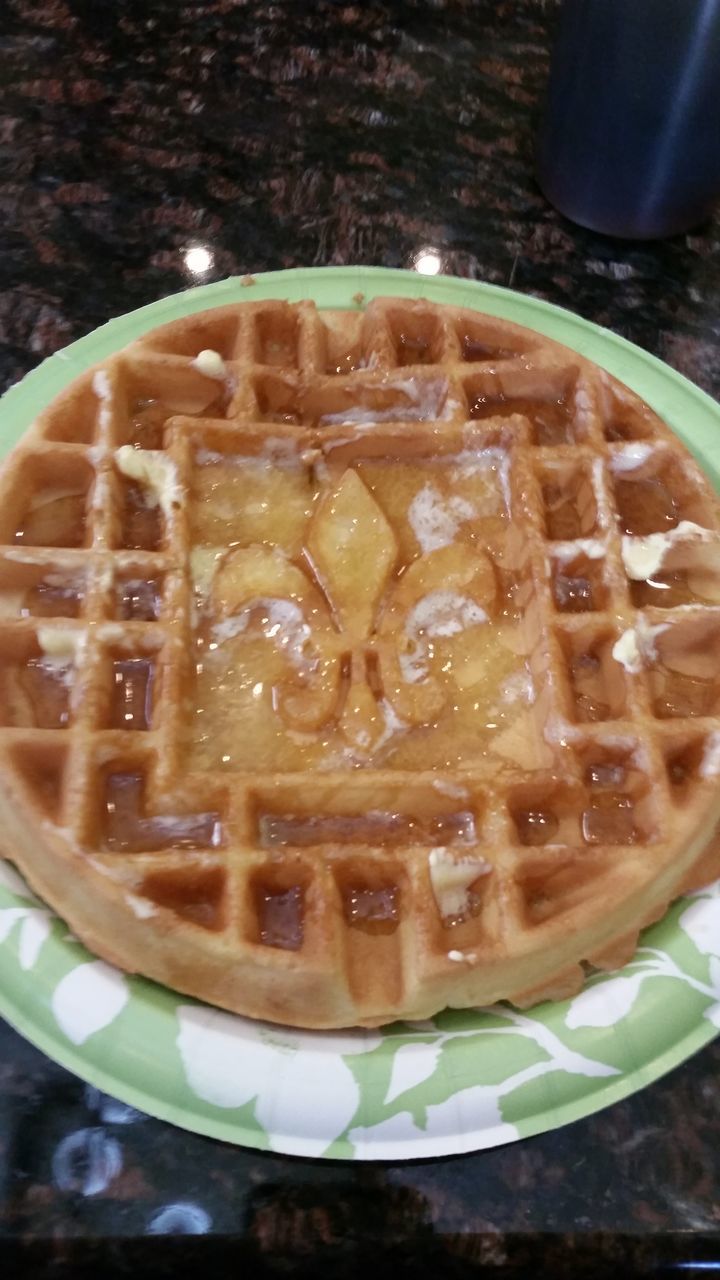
{"type": "Point", "coordinates": [357, 663]}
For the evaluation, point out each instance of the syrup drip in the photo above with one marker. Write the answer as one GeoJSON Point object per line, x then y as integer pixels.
{"type": "Point", "coordinates": [373, 910]}
{"type": "Point", "coordinates": [371, 828]}
{"type": "Point", "coordinates": [131, 706]}
{"type": "Point", "coordinates": [194, 894]}
{"type": "Point", "coordinates": [276, 401]}
{"type": "Point", "coordinates": [514, 592]}
{"type": "Point", "coordinates": [142, 525]}
{"type": "Point", "coordinates": [610, 819]}
{"type": "Point", "coordinates": [147, 424]}
{"type": "Point", "coordinates": [573, 593]}
{"type": "Point", "coordinates": [562, 518]}
{"type": "Point", "coordinates": [589, 688]}
{"type": "Point", "coordinates": [605, 776]}
{"type": "Point", "coordinates": [664, 591]}
{"type": "Point", "coordinates": [348, 362]}
{"type": "Point", "coordinates": [138, 600]}
{"type": "Point", "coordinates": [536, 826]}
{"type": "Point", "coordinates": [622, 429]}
{"type": "Point", "coordinates": [413, 350]}
{"type": "Point", "coordinates": [276, 339]}
{"type": "Point", "coordinates": [41, 696]}
{"type": "Point", "coordinates": [280, 917]}
{"type": "Point", "coordinates": [55, 522]}
{"type": "Point", "coordinates": [47, 601]}
{"type": "Point", "coordinates": [475, 352]}
{"type": "Point", "coordinates": [645, 506]}
{"type": "Point", "coordinates": [679, 772]}
{"type": "Point", "coordinates": [126, 830]}
{"type": "Point", "coordinates": [678, 695]}
{"type": "Point", "coordinates": [551, 419]}
{"type": "Point", "coordinates": [683, 767]}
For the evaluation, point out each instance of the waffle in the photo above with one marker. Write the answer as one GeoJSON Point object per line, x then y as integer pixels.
{"type": "Point", "coordinates": [358, 663]}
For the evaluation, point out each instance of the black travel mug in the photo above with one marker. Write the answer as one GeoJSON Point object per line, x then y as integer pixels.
{"type": "Point", "coordinates": [630, 139]}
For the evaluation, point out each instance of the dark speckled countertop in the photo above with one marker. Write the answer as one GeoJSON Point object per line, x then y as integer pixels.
{"type": "Point", "coordinates": [275, 135]}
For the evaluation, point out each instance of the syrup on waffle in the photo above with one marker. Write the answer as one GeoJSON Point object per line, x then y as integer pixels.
{"type": "Point", "coordinates": [353, 664]}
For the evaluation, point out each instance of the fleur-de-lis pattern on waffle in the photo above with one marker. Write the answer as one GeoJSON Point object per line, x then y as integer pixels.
{"type": "Point", "coordinates": [349, 634]}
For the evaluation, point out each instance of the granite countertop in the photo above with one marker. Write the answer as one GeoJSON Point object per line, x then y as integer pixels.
{"type": "Point", "coordinates": [260, 136]}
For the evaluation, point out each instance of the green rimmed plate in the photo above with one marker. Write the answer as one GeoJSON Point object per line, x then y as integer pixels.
{"type": "Point", "coordinates": [462, 1081]}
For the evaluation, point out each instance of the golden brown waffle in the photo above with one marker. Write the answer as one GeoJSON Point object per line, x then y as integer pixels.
{"type": "Point", "coordinates": [363, 664]}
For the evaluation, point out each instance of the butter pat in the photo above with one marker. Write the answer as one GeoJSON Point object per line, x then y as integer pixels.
{"type": "Point", "coordinates": [111, 633]}
{"type": "Point", "coordinates": [140, 907]}
{"type": "Point", "coordinates": [156, 471]}
{"type": "Point", "coordinates": [631, 456]}
{"type": "Point", "coordinates": [59, 644]}
{"type": "Point", "coordinates": [210, 363]}
{"type": "Point", "coordinates": [637, 645]}
{"type": "Point", "coordinates": [626, 651]}
{"type": "Point", "coordinates": [451, 878]}
{"type": "Point", "coordinates": [710, 765]}
{"type": "Point", "coordinates": [644, 557]}
{"type": "Point", "coordinates": [593, 548]}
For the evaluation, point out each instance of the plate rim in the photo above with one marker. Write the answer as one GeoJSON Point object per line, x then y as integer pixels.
{"type": "Point", "coordinates": [391, 1151]}
{"type": "Point", "coordinates": [67, 363]}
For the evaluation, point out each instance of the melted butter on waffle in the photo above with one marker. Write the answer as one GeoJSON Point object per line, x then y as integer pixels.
{"type": "Point", "coordinates": [366, 596]}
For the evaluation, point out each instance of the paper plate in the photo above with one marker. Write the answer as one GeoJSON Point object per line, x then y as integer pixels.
{"type": "Point", "coordinates": [462, 1081]}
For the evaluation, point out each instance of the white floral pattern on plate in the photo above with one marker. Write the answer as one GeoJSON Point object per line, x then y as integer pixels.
{"type": "Point", "coordinates": [309, 1093]}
